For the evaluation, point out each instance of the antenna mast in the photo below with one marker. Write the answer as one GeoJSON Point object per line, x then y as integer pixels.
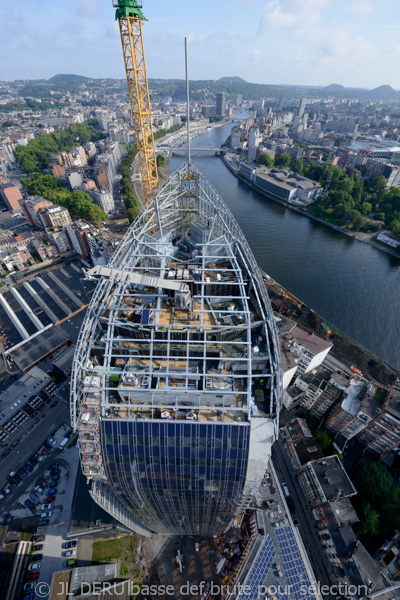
{"type": "Point", "coordinates": [187, 97]}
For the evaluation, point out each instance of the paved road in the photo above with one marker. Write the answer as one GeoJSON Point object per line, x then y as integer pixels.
{"type": "Point", "coordinates": [31, 439]}
{"type": "Point", "coordinates": [306, 528]}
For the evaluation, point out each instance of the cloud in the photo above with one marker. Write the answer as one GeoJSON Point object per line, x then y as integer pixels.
{"type": "Point", "coordinates": [291, 14]}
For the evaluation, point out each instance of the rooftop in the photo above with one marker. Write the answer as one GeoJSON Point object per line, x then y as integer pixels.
{"type": "Point", "coordinates": [308, 340]}
{"type": "Point", "coordinates": [332, 478]}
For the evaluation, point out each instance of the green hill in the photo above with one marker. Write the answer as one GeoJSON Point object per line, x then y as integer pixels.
{"type": "Point", "coordinates": [68, 79]}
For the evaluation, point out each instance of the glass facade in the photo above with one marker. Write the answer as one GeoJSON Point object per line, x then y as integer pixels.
{"type": "Point", "coordinates": [184, 478]}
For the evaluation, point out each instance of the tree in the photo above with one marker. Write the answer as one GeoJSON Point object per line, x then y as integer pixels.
{"type": "Point", "coordinates": [161, 160]}
{"type": "Point", "coordinates": [282, 160]}
{"type": "Point", "coordinates": [323, 438]}
{"type": "Point", "coordinates": [369, 520]}
{"type": "Point", "coordinates": [297, 166]}
{"type": "Point", "coordinates": [366, 208]}
{"type": "Point", "coordinates": [266, 160]}
{"type": "Point", "coordinates": [356, 219]}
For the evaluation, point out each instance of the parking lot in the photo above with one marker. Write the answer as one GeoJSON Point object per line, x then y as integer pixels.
{"type": "Point", "coordinates": [53, 479]}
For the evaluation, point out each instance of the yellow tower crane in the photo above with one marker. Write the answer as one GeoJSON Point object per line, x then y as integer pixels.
{"type": "Point", "coordinates": [130, 18]}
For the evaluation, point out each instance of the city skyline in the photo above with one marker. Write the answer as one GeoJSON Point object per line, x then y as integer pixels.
{"type": "Point", "coordinates": [314, 43]}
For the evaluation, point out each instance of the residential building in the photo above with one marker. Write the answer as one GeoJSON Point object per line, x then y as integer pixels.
{"type": "Point", "coordinates": [54, 217]}
{"type": "Point", "coordinates": [327, 488]}
{"type": "Point", "coordinates": [345, 414]}
{"type": "Point", "coordinates": [301, 445]}
{"type": "Point", "coordinates": [310, 349]}
{"type": "Point", "coordinates": [31, 208]}
{"type": "Point", "coordinates": [302, 107]}
{"type": "Point", "coordinates": [60, 239]}
{"type": "Point", "coordinates": [221, 104]}
{"type": "Point", "coordinates": [77, 236]}
{"type": "Point", "coordinates": [104, 199]}
{"type": "Point", "coordinates": [383, 433]}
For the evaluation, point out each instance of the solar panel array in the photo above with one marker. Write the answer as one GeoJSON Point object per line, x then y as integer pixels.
{"type": "Point", "coordinates": [293, 565]}
{"type": "Point", "coordinates": [259, 571]}
{"type": "Point", "coordinates": [279, 592]}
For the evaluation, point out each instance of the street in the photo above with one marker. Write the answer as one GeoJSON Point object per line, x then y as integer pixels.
{"type": "Point", "coordinates": [306, 529]}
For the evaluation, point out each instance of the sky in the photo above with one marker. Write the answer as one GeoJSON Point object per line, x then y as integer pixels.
{"type": "Point", "coordinates": [355, 43]}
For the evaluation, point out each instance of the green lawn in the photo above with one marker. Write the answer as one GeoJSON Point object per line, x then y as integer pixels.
{"type": "Point", "coordinates": [120, 548]}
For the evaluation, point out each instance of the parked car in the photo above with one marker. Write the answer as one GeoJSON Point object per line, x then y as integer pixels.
{"type": "Point", "coordinates": [17, 478]}
{"type": "Point", "coordinates": [35, 499]}
{"type": "Point", "coordinates": [52, 441]}
{"type": "Point", "coordinates": [30, 576]}
{"type": "Point", "coordinates": [23, 473]}
{"type": "Point", "coordinates": [35, 566]}
{"type": "Point", "coordinates": [69, 553]}
{"type": "Point", "coordinates": [38, 457]}
{"type": "Point", "coordinates": [36, 557]}
{"type": "Point", "coordinates": [54, 466]}
{"type": "Point", "coordinates": [51, 491]}
{"type": "Point", "coordinates": [69, 544]}
{"type": "Point", "coordinates": [29, 596]}
{"type": "Point", "coordinates": [46, 513]}
{"type": "Point", "coordinates": [39, 489]}
{"type": "Point", "coordinates": [6, 453]}
{"type": "Point", "coordinates": [44, 452]}
{"type": "Point", "coordinates": [38, 538]}
{"type": "Point", "coordinates": [38, 547]}
{"type": "Point", "coordinates": [54, 472]}
{"type": "Point", "coordinates": [7, 489]}
{"type": "Point", "coordinates": [1, 496]}
{"type": "Point", "coordinates": [47, 506]}
{"type": "Point", "coordinates": [43, 483]}
{"type": "Point", "coordinates": [53, 483]}
{"type": "Point", "coordinates": [55, 477]}
{"type": "Point", "coordinates": [29, 504]}
{"type": "Point", "coordinates": [13, 483]}
{"type": "Point", "coordinates": [32, 461]}
{"type": "Point", "coordinates": [28, 468]}
{"type": "Point", "coordinates": [29, 586]}
{"type": "Point", "coordinates": [69, 563]}
{"type": "Point", "coordinates": [50, 498]}
{"type": "Point", "coordinates": [43, 522]}
{"type": "Point", "coordinates": [48, 446]}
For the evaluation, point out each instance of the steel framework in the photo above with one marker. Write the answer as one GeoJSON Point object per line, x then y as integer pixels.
{"type": "Point", "coordinates": [135, 66]}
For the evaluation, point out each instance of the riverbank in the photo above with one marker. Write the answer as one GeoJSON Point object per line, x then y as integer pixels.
{"type": "Point", "coordinates": [358, 235]}
{"type": "Point", "coordinates": [345, 349]}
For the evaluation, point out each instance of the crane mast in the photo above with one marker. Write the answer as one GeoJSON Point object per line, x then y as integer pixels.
{"type": "Point", "coordinates": [130, 18]}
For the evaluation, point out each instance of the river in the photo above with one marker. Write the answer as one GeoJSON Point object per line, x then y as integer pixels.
{"type": "Point", "coordinates": [354, 286]}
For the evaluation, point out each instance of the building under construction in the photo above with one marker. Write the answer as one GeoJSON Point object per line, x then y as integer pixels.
{"type": "Point", "coordinates": [177, 339]}
{"type": "Point", "coordinates": [176, 383]}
